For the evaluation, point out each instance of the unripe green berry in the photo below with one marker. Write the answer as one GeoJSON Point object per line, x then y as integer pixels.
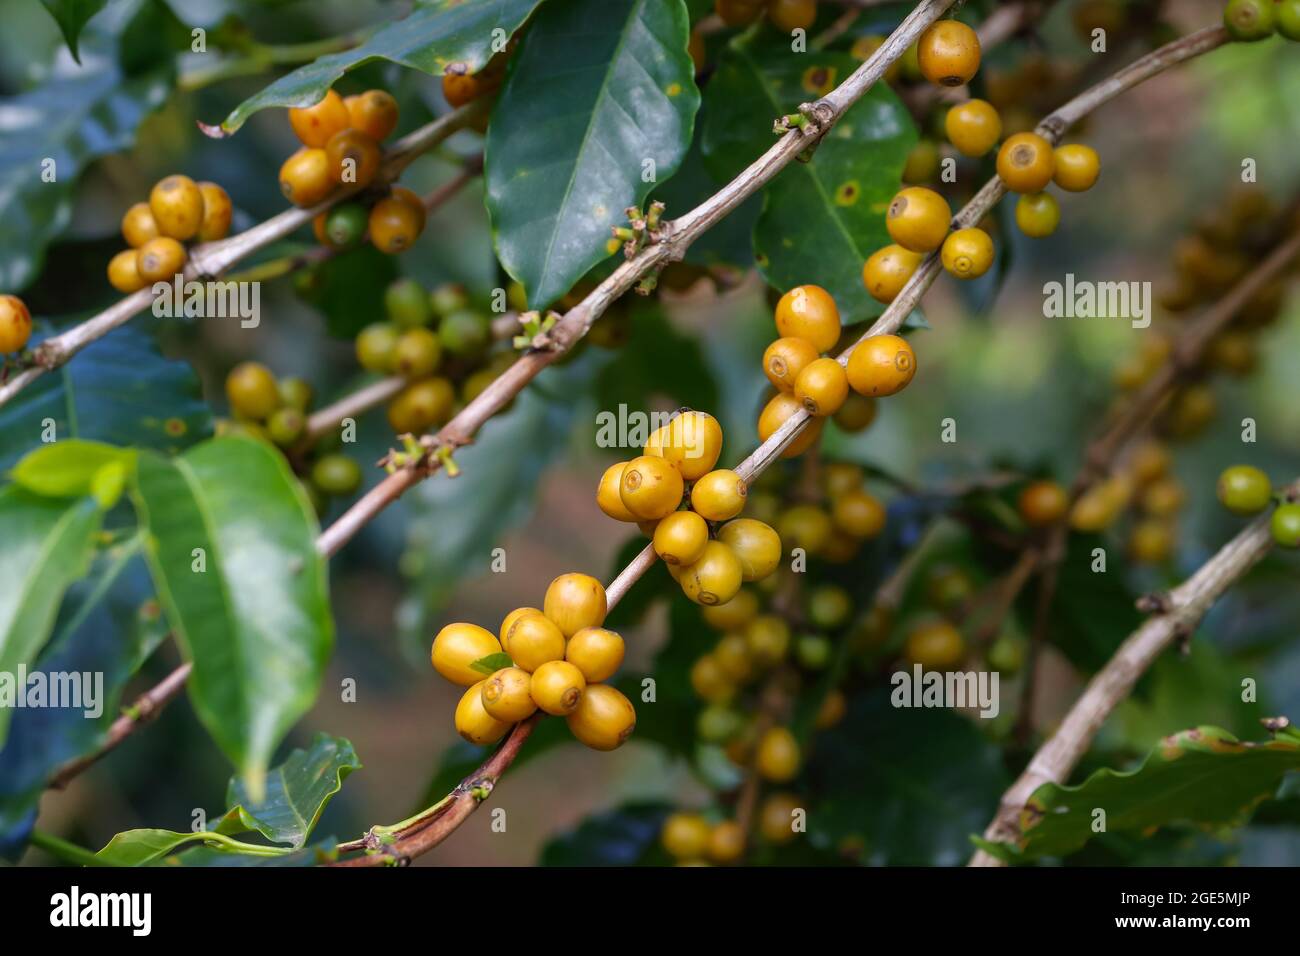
{"type": "Point", "coordinates": [376, 345]}
{"type": "Point", "coordinates": [448, 298]}
{"type": "Point", "coordinates": [285, 426]}
{"type": "Point", "coordinates": [345, 224]}
{"type": "Point", "coordinates": [1248, 20]}
{"type": "Point", "coordinates": [417, 353]}
{"type": "Point", "coordinates": [812, 651]}
{"type": "Point", "coordinates": [465, 334]}
{"type": "Point", "coordinates": [407, 304]}
{"type": "Point", "coordinates": [1244, 489]}
{"type": "Point", "coordinates": [336, 475]}
{"type": "Point", "coordinates": [1285, 525]}
{"type": "Point", "coordinates": [296, 393]}
{"type": "Point", "coordinates": [829, 606]}
{"type": "Point", "coordinates": [718, 723]}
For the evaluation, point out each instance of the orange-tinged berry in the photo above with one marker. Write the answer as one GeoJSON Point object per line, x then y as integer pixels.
{"type": "Point", "coordinates": [507, 697]}
{"type": "Point", "coordinates": [881, 365]}
{"type": "Point", "coordinates": [354, 158]}
{"type": "Point", "coordinates": [15, 324]}
{"type": "Point", "coordinates": [159, 259]}
{"type": "Point", "coordinates": [177, 206]}
{"type": "Point", "coordinates": [305, 177]}
{"type": "Point", "coordinates": [217, 213]}
{"type": "Point", "coordinates": [888, 270]}
{"type": "Point", "coordinates": [948, 53]}
{"type": "Point", "coordinates": [822, 387]}
{"type": "Point", "coordinates": [1026, 163]}
{"type": "Point", "coordinates": [138, 225]}
{"type": "Point", "coordinates": [124, 272]}
{"type": "Point", "coordinates": [651, 487]}
{"type": "Point", "coordinates": [557, 688]}
{"type": "Point", "coordinates": [973, 127]}
{"type": "Point", "coordinates": [918, 219]}
{"type": "Point", "coordinates": [809, 312]}
{"type": "Point", "coordinates": [373, 112]}
{"type": "Point", "coordinates": [314, 125]}
{"type": "Point", "coordinates": [775, 414]}
{"type": "Point", "coordinates": [785, 358]}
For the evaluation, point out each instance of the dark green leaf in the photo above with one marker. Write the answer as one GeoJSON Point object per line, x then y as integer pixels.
{"type": "Point", "coordinates": [1093, 611]}
{"type": "Point", "coordinates": [47, 544]}
{"type": "Point", "coordinates": [119, 390]}
{"type": "Point", "coordinates": [821, 219]}
{"type": "Point", "coordinates": [297, 792]}
{"type": "Point", "coordinates": [658, 361]}
{"type": "Point", "coordinates": [71, 16]}
{"type": "Point", "coordinates": [462, 759]}
{"type": "Point", "coordinates": [571, 133]}
{"type": "Point", "coordinates": [434, 35]}
{"type": "Point", "coordinates": [1204, 776]}
{"type": "Point", "coordinates": [628, 836]}
{"type": "Point", "coordinates": [349, 289]}
{"type": "Point", "coordinates": [669, 720]}
{"type": "Point", "coordinates": [255, 620]}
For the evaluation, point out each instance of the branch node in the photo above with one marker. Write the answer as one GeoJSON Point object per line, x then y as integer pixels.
{"type": "Point", "coordinates": [1157, 602]}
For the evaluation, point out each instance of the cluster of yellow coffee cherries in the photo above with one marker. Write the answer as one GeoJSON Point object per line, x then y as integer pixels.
{"type": "Point", "coordinates": [808, 323]}
{"type": "Point", "coordinates": [674, 470]}
{"type": "Point", "coordinates": [555, 660]}
{"type": "Point", "coordinates": [178, 210]}
{"type": "Point", "coordinates": [919, 219]}
{"type": "Point", "coordinates": [341, 140]}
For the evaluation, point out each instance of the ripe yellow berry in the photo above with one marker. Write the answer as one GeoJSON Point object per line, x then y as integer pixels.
{"type": "Point", "coordinates": [948, 53]}
{"type": "Point", "coordinates": [354, 158]}
{"type": "Point", "coordinates": [1149, 461]}
{"type": "Point", "coordinates": [509, 621]}
{"type": "Point", "coordinates": [777, 818]}
{"type": "Point", "coordinates": [680, 537]}
{"type": "Point", "coordinates": [726, 842]}
{"type": "Point", "coordinates": [506, 695]}
{"type": "Point", "coordinates": [918, 219]}
{"type": "Point", "coordinates": [138, 225]}
{"type": "Point", "coordinates": [841, 476]}
{"type": "Point", "coordinates": [756, 546]}
{"type": "Point", "coordinates": [935, 645]}
{"type": "Point", "coordinates": [790, 15]}
{"type": "Point", "coordinates": [967, 253]}
{"type": "Point", "coordinates": [421, 405]}
{"type": "Point", "coordinates": [822, 387]}
{"type": "Point", "coordinates": [719, 495]}
{"type": "Point", "coordinates": [1037, 214]}
{"type": "Point", "coordinates": [1152, 541]}
{"type": "Point", "coordinates": [1026, 163]}
{"type": "Point", "coordinates": [314, 125]}
{"type": "Point", "coordinates": [177, 206]}
{"type": "Point", "coordinates": [738, 13]}
{"type": "Point", "coordinates": [217, 213]}
{"type": "Point", "coordinates": [159, 259]}
{"type": "Point", "coordinates": [858, 513]}
{"type": "Point", "coordinates": [733, 658]}
{"type": "Point", "coordinates": [651, 487]}
{"type": "Point", "coordinates": [691, 442]}
{"type": "Point", "coordinates": [374, 112]}
{"type": "Point", "coordinates": [608, 498]}
{"type": "Point", "coordinates": [596, 651]}
{"type": "Point", "coordinates": [458, 646]}
{"type": "Point", "coordinates": [15, 324]}
{"type": "Point", "coordinates": [557, 687]}
{"type": "Point", "coordinates": [777, 758]}
{"type": "Point", "coordinates": [473, 722]}
{"type": "Point", "coordinates": [768, 637]}
{"type": "Point", "coordinates": [305, 177]}
{"type": "Point", "coordinates": [459, 86]}
{"type": "Point", "coordinates": [1043, 503]}
{"type": "Point", "coordinates": [714, 578]}
{"type": "Point", "coordinates": [124, 272]}
{"type": "Point", "coordinates": [532, 640]}
{"type": "Point", "coordinates": [785, 358]}
{"type": "Point", "coordinates": [1164, 497]}
{"type": "Point", "coordinates": [887, 271]}
{"type": "Point", "coordinates": [734, 614]}
{"type": "Point", "coordinates": [856, 414]}
{"type": "Point", "coordinates": [686, 836]}
{"type": "Point", "coordinates": [881, 365]}
{"type": "Point", "coordinates": [973, 127]}
{"type": "Point", "coordinates": [574, 601]}
{"type": "Point", "coordinates": [774, 415]}
{"type": "Point", "coordinates": [604, 718]}
{"type": "Point", "coordinates": [395, 225]}
{"type": "Point", "coordinates": [710, 682]}
{"type": "Point", "coordinates": [809, 312]}
{"type": "Point", "coordinates": [1077, 167]}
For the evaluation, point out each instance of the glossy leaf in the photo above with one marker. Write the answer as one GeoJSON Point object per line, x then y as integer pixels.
{"type": "Point", "coordinates": [434, 35]}
{"type": "Point", "coordinates": [820, 219]}
{"type": "Point", "coordinates": [1093, 612]}
{"type": "Point", "coordinates": [572, 136]}
{"type": "Point", "coordinates": [1203, 776]}
{"type": "Point", "coordinates": [349, 289]}
{"type": "Point", "coordinates": [658, 360]}
{"type": "Point", "coordinates": [232, 550]}
{"type": "Point", "coordinates": [69, 469]}
{"type": "Point", "coordinates": [71, 16]}
{"type": "Point", "coordinates": [119, 390]}
{"type": "Point", "coordinates": [627, 836]}
{"type": "Point", "coordinates": [47, 544]}
{"type": "Point", "coordinates": [297, 792]}
{"type": "Point", "coordinates": [108, 624]}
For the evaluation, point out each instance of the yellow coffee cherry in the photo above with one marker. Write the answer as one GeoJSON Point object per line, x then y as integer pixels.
{"type": "Point", "coordinates": [726, 842]}
{"type": "Point", "coordinates": [217, 213]}
{"type": "Point", "coordinates": [159, 260]}
{"type": "Point", "coordinates": [935, 645]}
{"type": "Point", "coordinates": [354, 158]}
{"type": "Point", "coordinates": [396, 222]}
{"type": "Point", "coordinates": [314, 125]}
{"type": "Point", "coordinates": [775, 413]}
{"type": "Point", "coordinates": [374, 112]}
{"type": "Point", "coordinates": [177, 206]}
{"type": "Point", "coordinates": [732, 656]}
{"type": "Point", "coordinates": [858, 513]}
{"type": "Point", "coordinates": [574, 601]}
{"type": "Point", "coordinates": [1149, 461]}
{"type": "Point", "coordinates": [474, 723]}
{"type": "Point", "coordinates": [1152, 541]}
{"type": "Point", "coordinates": [967, 253]}
{"type": "Point", "coordinates": [973, 127]}
{"type": "Point", "coordinates": [533, 639]}
{"type": "Point", "coordinates": [856, 414]}
{"type": "Point", "coordinates": [778, 757]}
{"type": "Point", "coordinates": [714, 578]}
{"type": "Point", "coordinates": [888, 270]}
{"type": "Point", "coordinates": [596, 651]}
{"type": "Point", "coordinates": [15, 324]}
{"type": "Point", "coordinates": [604, 718]}
{"type": "Point", "coordinates": [507, 697]}
{"type": "Point", "coordinates": [1164, 497]}
{"type": "Point", "coordinates": [691, 442]}
{"type": "Point", "coordinates": [305, 177]}
{"type": "Point", "coordinates": [719, 495]}
{"type": "Point", "coordinates": [948, 53]}
{"type": "Point", "coordinates": [685, 836]}
{"type": "Point", "coordinates": [822, 387]}
{"type": "Point", "coordinates": [809, 312]}
{"type": "Point", "coordinates": [651, 487]}
{"type": "Point", "coordinates": [881, 365]}
{"type": "Point", "coordinates": [776, 819]}
{"type": "Point", "coordinates": [841, 476]}
{"type": "Point", "coordinates": [768, 637]}
{"type": "Point", "coordinates": [1037, 214]}
{"type": "Point", "coordinates": [734, 614]}
{"type": "Point", "coordinates": [710, 682]}
{"type": "Point", "coordinates": [1077, 167]}
{"type": "Point", "coordinates": [421, 405]}
{"type": "Point", "coordinates": [608, 497]}
{"type": "Point", "coordinates": [510, 619]}
{"type": "Point", "coordinates": [790, 15]}
{"type": "Point", "coordinates": [1043, 503]}
{"type": "Point", "coordinates": [918, 219]}
{"type": "Point", "coordinates": [557, 687]}
{"type": "Point", "coordinates": [458, 646]}
{"type": "Point", "coordinates": [138, 225]}
{"type": "Point", "coordinates": [124, 272]}
{"type": "Point", "coordinates": [756, 546]}
{"type": "Point", "coordinates": [1026, 163]}
{"type": "Point", "coordinates": [785, 358]}
{"type": "Point", "coordinates": [922, 164]}
{"type": "Point", "coordinates": [680, 538]}
{"type": "Point", "coordinates": [805, 526]}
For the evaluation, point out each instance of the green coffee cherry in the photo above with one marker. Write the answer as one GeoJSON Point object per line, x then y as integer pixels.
{"type": "Point", "coordinates": [407, 304]}
{"type": "Point", "coordinates": [417, 354]}
{"type": "Point", "coordinates": [1286, 17]}
{"type": "Point", "coordinates": [718, 723]}
{"type": "Point", "coordinates": [829, 606]}
{"type": "Point", "coordinates": [345, 225]}
{"type": "Point", "coordinates": [1244, 489]}
{"type": "Point", "coordinates": [285, 426]}
{"type": "Point", "coordinates": [812, 651]}
{"type": "Point", "coordinates": [336, 475]}
{"type": "Point", "coordinates": [448, 298]}
{"type": "Point", "coordinates": [465, 334]}
{"type": "Point", "coordinates": [376, 345]}
{"type": "Point", "coordinates": [1286, 525]}
{"type": "Point", "coordinates": [296, 393]}
{"type": "Point", "coordinates": [1248, 20]}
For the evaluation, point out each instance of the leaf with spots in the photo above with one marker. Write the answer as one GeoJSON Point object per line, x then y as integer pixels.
{"type": "Point", "coordinates": [821, 219]}
{"type": "Point", "coordinates": [577, 138]}
{"type": "Point", "coordinates": [434, 35]}
{"type": "Point", "coordinates": [1205, 777]}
